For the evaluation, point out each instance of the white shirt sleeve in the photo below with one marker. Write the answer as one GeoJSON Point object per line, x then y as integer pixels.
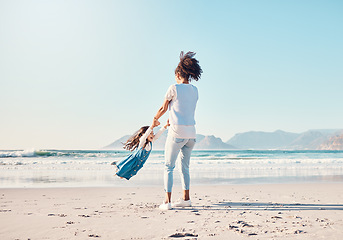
{"type": "Point", "coordinates": [143, 138]}
{"type": "Point", "coordinates": [158, 134]}
{"type": "Point", "coordinates": [171, 93]}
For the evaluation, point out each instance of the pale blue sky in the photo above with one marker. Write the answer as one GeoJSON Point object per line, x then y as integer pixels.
{"type": "Point", "coordinates": [80, 74]}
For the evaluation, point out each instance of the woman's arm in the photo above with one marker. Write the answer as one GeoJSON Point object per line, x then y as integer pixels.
{"type": "Point", "coordinates": [161, 111]}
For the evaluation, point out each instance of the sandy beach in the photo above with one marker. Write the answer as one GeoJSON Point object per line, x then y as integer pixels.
{"type": "Point", "coordinates": [271, 211]}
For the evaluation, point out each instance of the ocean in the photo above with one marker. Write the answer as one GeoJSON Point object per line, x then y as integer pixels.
{"type": "Point", "coordinates": [83, 168]}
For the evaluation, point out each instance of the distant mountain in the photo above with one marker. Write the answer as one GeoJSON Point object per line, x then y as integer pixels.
{"type": "Point", "coordinates": [263, 140]}
{"type": "Point", "coordinates": [203, 142]}
{"type": "Point", "coordinates": [117, 144]}
{"type": "Point", "coordinates": [212, 142]}
{"type": "Point", "coordinates": [309, 140]}
{"type": "Point", "coordinates": [333, 143]}
{"type": "Point", "coordinates": [312, 139]}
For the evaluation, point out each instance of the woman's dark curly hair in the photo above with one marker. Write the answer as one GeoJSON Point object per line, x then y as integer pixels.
{"type": "Point", "coordinates": [188, 67]}
{"type": "Point", "coordinates": [133, 142]}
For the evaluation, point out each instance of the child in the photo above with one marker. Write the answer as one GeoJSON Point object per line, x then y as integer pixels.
{"type": "Point", "coordinates": [141, 143]}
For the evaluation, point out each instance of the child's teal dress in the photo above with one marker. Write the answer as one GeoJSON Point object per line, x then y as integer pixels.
{"type": "Point", "coordinates": [128, 167]}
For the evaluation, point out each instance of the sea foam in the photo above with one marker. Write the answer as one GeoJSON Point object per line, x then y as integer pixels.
{"type": "Point", "coordinates": [46, 168]}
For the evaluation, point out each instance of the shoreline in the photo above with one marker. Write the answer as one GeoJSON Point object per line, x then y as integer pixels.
{"type": "Point", "coordinates": [140, 182]}
{"type": "Point", "coordinates": [178, 185]}
{"type": "Point", "coordinates": [246, 211]}
{"type": "Point", "coordinates": [90, 169]}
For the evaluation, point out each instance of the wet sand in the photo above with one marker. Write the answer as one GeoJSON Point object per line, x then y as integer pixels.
{"type": "Point", "coordinates": [270, 211]}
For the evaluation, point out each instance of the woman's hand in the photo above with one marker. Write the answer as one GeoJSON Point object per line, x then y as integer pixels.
{"type": "Point", "coordinates": [155, 123]}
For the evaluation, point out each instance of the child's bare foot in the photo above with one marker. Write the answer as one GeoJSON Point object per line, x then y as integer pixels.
{"type": "Point", "coordinates": [118, 176]}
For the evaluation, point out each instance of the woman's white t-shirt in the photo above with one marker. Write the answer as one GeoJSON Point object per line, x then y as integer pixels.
{"type": "Point", "coordinates": [183, 99]}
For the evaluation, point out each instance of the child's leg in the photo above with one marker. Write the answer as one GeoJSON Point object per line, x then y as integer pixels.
{"type": "Point", "coordinates": [118, 176]}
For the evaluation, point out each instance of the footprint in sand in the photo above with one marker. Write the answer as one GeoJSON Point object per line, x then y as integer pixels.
{"type": "Point", "coordinates": [179, 235]}
{"type": "Point", "coordinates": [93, 235]}
{"type": "Point", "coordinates": [58, 215]}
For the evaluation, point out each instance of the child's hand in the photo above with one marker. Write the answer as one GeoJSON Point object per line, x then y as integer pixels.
{"type": "Point", "coordinates": [167, 124]}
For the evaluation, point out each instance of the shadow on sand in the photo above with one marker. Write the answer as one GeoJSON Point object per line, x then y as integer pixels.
{"type": "Point", "coordinates": [232, 206]}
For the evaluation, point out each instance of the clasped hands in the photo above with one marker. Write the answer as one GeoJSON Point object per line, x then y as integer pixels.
{"type": "Point", "coordinates": [156, 123]}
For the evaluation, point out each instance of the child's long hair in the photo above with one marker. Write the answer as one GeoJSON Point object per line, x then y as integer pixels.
{"type": "Point", "coordinates": [133, 142]}
{"type": "Point", "coordinates": [188, 67]}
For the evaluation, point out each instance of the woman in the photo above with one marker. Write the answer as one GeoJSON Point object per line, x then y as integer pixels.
{"type": "Point", "coordinates": [181, 98]}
